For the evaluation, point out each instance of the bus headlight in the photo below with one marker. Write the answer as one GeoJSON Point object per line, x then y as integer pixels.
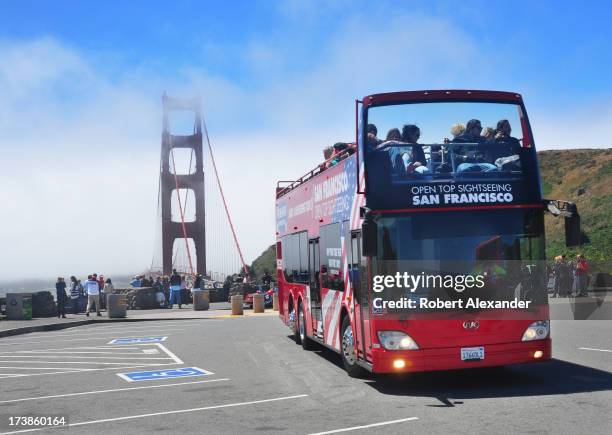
{"type": "Point", "coordinates": [536, 331]}
{"type": "Point", "coordinates": [396, 340]}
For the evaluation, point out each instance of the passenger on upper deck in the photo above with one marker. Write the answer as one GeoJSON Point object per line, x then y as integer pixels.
{"type": "Point", "coordinates": [505, 152]}
{"type": "Point", "coordinates": [471, 134]}
{"type": "Point", "coordinates": [456, 130]}
{"type": "Point", "coordinates": [394, 134]}
{"type": "Point", "coordinates": [470, 159]}
{"type": "Point", "coordinates": [489, 134]}
{"type": "Point", "coordinates": [503, 133]}
{"type": "Point", "coordinates": [416, 161]}
{"type": "Point", "coordinates": [372, 139]}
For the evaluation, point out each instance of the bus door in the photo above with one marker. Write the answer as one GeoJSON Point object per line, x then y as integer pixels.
{"type": "Point", "coordinates": [314, 267]}
{"type": "Point", "coordinates": [358, 275]}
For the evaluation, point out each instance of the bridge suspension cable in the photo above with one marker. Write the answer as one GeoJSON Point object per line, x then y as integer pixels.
{"type": "Point", "coordinates": [229, 218]}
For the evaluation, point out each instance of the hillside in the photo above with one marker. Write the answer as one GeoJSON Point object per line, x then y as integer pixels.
{"type": "Point", "coordinates": [583, 176]}
{"type": "Point", "coordinates": [266, 261]}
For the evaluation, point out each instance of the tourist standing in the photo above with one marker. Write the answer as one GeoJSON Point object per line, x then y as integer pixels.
{"type": "Point", "coordinates": [581, 276]}
{"type": "Point", "coordinates": [159, 292]}
{"type": "Point", "coordinates": [92, 288]}
{"type": "Point", "coordinates": [109, 288]}
{"type": "Point", "coordinates": [166, 289]}
{"type": "Point", "coordinates": [175, 288]}
{"type": "Point", "coordinates": [60, 293]}
{"type": "Point", "coordinates": [101, 282]}
{"type": "Point", "coordinates": [75, 293]}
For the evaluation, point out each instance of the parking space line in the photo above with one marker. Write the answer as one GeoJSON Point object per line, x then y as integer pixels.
{"type": "Point", "coordinates": [143, 324]}
{"type": "Point", "coordinates": [597, 350]}
{"type": "Point", "coordinates": [68, 340]}
{"type": "Point", "coordinates": [154, 414]}
{"type": "Point", "coordinates": [75, 348]}
{"type": "Point", "coordinates": [73, 333]}
{"type": "Point", "coordinates": [56, 341]}
{"type": "Point", "coordinates": [150, 356]}
{"type": "Point", "coordinates": [84, 393]}
{"type": "Point", "coordinates": [36, 353]}
{"type": "Point", "coordinates": [73, 362]}
{"type": "Point", "coordinates": [35, 368]}
{"type": "Point", "coordinates": [366, 426]}
{"type": "Point", "coordinates": [176, 359]}
{"type": "Point", "coordinates": [75, 370]}
{"type": "Point", "coordinates": [80, 356]}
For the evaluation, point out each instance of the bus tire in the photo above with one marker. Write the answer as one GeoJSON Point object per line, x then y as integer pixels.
{"type": "Point", "coordinates": [296, 324]}
{"type": "Point", "coordinates": [307, 343]}
{"type": "Point", "coordinates": [347, 350]}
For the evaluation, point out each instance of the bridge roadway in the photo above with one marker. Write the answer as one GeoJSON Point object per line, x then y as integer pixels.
{"type": "Point", "coordinates": [262, 382]}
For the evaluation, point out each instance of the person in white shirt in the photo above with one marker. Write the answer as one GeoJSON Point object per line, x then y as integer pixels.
{"type": "Point", "coordinates": [92, 288]}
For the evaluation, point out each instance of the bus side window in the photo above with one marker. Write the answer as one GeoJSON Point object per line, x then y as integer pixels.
{"type": "Point", "coordinates": [332, 273]}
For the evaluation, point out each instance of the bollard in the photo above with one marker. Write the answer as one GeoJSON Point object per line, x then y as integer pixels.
{"type": "Point", "coordinates": [116, 306]}
{"type": "Point", "coordinates": [237, 305]}
{"type": "Point", "coordinates": [201, 300]}
{"type": "Point", "coordinates": [258, 303]}
{"type": "Point", "coordinates": [275, 302]}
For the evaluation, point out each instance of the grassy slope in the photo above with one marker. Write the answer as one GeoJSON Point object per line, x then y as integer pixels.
{"type": "Point", "coordinates": [563, 173]}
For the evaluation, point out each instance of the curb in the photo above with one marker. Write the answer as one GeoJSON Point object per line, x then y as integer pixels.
{"type": "Point", "coordinates": [60, 326]}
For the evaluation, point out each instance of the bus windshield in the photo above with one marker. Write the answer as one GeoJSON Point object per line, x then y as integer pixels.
{"type": "Point", "coordinates": [503, 248]}
{"type": "Point", "coordinates": [414, 142]}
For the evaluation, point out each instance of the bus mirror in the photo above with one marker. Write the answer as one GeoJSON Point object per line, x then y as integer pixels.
{"type": "Point", "coordinates": [369, 240]}
{"type": "Point", "coordinates": [572, 230]}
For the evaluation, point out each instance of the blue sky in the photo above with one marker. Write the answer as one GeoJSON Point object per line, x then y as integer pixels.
{"type": "Point", "coordinates": [82, 83]}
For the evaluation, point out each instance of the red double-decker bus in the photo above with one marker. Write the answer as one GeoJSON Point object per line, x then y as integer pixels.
{"type": "Point", "coordinates": [420, 246]}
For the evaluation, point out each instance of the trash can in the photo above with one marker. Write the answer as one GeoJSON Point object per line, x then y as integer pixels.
{"type": "Point", "coordinates": [19, 306]}
{"type": "Point", "coordinates": [116, 306]}
{"type": "Point", "coordinates": [258, 303]}
{"type": "Point", "coordinates": [201, 300]}
{"type": "Point", "coordinates": [237, 305]}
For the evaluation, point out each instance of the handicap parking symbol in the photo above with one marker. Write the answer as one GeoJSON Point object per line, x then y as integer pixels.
{"type": "Point", "coordinates": [137, 340]}
{"type": "Point", "coordinates": [153, 375]}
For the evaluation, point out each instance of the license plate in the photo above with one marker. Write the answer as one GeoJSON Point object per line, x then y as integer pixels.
{"type": "Point", "coordinates": [472, 353]}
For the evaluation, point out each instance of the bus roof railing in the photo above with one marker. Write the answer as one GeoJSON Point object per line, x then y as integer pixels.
{"type": "Point", "coordinates": [322, 167]}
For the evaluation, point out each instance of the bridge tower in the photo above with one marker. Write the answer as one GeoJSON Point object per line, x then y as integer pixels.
{"type": "Point", "coordinates": [173, 230]}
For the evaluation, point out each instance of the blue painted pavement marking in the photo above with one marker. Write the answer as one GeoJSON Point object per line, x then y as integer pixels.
{"type": "Point", "coordinates": [136, 340]}
{"type": "Point", "coordinates": [153, 375]}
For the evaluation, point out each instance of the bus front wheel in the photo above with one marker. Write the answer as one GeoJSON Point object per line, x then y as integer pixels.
{"type": "Point", "coordinates": [349, 358]}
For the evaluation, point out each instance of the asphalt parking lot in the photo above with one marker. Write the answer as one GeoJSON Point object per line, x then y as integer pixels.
{"type": "Point", "coordinates": [246, 375]}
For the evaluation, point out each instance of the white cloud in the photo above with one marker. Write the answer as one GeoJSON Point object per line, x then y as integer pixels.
{"type": "Point", "coordinates": [80, 147]}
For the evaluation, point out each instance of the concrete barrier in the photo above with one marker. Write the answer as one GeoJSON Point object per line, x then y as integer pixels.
{"type": "Point", "coordinates": [275, 302]}
{"type": "Point", "coordinates": [237, 305]}
{"type": "Point", "coordinates": [258, 303]}
{"type": "Point", "coordinates": [201, 300]}
{"type": "Point", "coordinates": [116, 306]}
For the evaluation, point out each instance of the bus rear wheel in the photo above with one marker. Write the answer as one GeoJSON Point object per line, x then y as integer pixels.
{"type": "Point", "coordinates": [300, 330]}
{"type": "Point", "coordinates": [349, 359]}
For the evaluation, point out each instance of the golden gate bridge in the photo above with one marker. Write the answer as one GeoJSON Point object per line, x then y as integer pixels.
{"type": "Point", "coordinates": [194, 230]}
